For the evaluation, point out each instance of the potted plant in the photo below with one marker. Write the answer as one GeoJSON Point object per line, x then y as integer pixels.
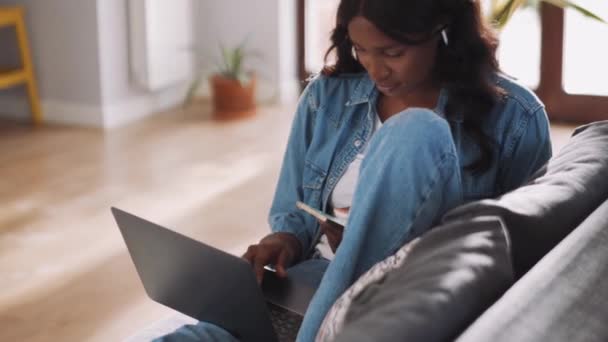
{"type": "Point", "coordinates": [232, 87]}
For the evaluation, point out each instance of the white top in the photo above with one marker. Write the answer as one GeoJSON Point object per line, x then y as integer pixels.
{"type": "Point", "coordinates": [341, 197]}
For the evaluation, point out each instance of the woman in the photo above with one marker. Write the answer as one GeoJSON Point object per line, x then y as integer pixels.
{"type": "Point", "coordinates": [413, 119]}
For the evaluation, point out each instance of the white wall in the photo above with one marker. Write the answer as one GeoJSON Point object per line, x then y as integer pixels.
{"type": "Point", "coordinates": [289, 85]}
{"type": "Point", "coordinates": [122, 100]}
{"type": "Point", "coordinates": [65, 53]}
{"type": "Point", "coordinates": [81, 57]}
{"type": "Point", "coordinates": [82, 61]}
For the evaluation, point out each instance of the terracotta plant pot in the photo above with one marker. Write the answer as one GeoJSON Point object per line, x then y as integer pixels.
{"type": "Point", "coordinates": [231, 99]}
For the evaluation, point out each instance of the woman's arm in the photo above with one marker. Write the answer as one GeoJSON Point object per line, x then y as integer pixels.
{"type": "Point", "coordinates": [284, 216]}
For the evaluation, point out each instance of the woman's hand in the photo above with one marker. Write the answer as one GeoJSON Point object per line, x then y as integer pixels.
{"type": "Point", "coordinates": [334, 232]}
{"type": "Point", "coordinates": [278, 249]}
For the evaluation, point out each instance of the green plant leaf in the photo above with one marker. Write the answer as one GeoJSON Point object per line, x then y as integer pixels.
{"type": "Point", "coordinates": [502, 11]}
{"type": "Point", "coordinates": [226, 58]}
{"type": "Point", "coordinates": [581, 10]}
{"type": "Point", "coordinates": [237, 58]}
{"type": "Point", "coordinates": [243, 78]}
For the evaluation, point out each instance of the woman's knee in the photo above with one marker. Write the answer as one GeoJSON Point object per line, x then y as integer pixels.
{"type": "Point", "coordinates": [416, 128]}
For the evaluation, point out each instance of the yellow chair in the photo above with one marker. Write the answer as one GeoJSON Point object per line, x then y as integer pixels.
{"type": "Point", "coordinates": [13, 16]}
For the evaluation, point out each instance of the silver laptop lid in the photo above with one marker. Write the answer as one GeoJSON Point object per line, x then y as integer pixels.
{"type": "Point", "coordinates": [196, 279]}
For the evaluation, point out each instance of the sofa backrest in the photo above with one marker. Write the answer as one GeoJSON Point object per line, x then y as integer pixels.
{"type": "Point", "coordinates": [563, 298]}
{"type": "Point", "coordinates": [560, 196]}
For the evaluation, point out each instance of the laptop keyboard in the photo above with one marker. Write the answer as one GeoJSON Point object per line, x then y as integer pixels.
{"type": "Point", "coordinates": [286, 323]}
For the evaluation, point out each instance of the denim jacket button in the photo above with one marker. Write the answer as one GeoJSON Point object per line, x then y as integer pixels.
{"type": "Point", "coordinates": [357, 143]}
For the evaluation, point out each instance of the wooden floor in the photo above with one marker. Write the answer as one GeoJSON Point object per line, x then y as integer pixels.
{"type": "Point", "coordinates": [65, 274]}
{"type": "Point", "coordinates": [64, 271]}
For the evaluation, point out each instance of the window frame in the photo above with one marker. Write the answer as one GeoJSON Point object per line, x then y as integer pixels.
{"type": "Point", "coordinates": [560, 105]}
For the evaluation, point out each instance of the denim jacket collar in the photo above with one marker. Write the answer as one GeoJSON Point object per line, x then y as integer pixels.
{"type": "Point", "coordinates": [365, 91]}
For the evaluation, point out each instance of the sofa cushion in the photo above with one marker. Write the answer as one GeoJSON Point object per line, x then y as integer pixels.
{"type": "Point", "coordinates": [560, 196]}
{"type": "Point", "coordinates": [335, 318]}
{"type": "Point", "coordinates": [447, 279]}
{"type": "Point", "coordinates": [563, 298]}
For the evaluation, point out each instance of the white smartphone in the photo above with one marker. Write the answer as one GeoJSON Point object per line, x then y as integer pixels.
{"type": "Point", "coordinates": [319, 215]}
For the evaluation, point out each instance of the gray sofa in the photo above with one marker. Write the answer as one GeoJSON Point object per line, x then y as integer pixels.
{"type": "Point", "coordinates": [531, 265]}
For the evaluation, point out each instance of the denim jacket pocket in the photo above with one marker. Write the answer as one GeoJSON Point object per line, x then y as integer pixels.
{"type": "Point", "coordinates": [312, 183]}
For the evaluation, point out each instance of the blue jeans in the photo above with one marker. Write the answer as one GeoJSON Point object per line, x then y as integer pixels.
{"type": "Point", "coordinates": [408, 179]}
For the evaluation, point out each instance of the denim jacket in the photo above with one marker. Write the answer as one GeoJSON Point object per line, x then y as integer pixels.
{"type": "Point", "coordinates": [334, 121]}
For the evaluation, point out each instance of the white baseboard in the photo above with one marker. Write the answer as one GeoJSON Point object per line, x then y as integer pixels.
{"type": "Point", "coordinates": [138, 107]}
{"type": "Point", "coordinates": [107, 116]}
{"type": "Point", "coordinates": [16, 107]}
{"type": "Point", "coordinates": [68, 113]}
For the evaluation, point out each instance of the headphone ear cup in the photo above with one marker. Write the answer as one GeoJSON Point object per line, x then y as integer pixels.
{"type": "Point", "coordinates": [354, 53]}
{"type": "Point", "coordinates": [444, 36]}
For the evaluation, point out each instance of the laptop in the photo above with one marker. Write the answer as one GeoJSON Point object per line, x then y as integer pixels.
{"type": "Point", "coordinates": [213, 286]}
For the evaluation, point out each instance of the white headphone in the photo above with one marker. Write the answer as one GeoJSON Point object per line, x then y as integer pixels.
{"type": "Point", "coordinates": [444, 36]}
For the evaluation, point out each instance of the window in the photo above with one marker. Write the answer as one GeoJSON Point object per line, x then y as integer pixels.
{"type": "Point", "coordinates": [320, 18]}
{"type": "Point", "coordinates": [519, 49]}
{"type": "Point", "coordinates": [586, 51]}
{"type": "Point", "coordinates": [562, 105]}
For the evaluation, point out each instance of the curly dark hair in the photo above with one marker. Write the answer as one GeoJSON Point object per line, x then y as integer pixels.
{"type": "Point", "coordinates": [464, 67]}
